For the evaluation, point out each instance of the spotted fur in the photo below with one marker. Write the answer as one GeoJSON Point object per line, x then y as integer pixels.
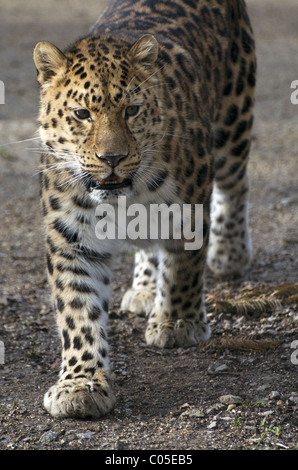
{"type": "Point", "coordinates": [155, 104]}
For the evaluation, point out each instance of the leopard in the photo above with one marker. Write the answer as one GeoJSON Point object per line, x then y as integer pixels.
{"type": "Point", "coordinates": [154, 105]}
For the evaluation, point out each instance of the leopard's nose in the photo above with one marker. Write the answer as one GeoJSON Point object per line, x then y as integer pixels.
{"type": "Point", "coordinates": [111, 160]}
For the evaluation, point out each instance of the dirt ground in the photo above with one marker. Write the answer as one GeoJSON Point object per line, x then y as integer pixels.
{"type": "Point", "coordinates": [216, 396]}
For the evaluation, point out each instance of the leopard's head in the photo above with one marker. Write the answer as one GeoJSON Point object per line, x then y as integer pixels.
{"type": "Point", "coordinates": [100, 114]}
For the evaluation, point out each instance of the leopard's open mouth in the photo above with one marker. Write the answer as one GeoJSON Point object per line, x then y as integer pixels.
{"type": "Point", "coordinates": [111, 182]}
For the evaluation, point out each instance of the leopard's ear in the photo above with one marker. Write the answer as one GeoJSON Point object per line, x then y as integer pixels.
{"type": "Point", "coordinates": [144, 51]}
{"type": "Point", "coordinates": [49, 61]}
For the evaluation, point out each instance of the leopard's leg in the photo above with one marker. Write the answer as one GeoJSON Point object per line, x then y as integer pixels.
{"type": "Point", "coordinates": [79, 275]}
{"type": "Point", "coordinates": [140, 298]}
{"type": "Point", "coordinates": [81, 292]}
{"type": "Point", "coordinates": [229, 246]}
{"type": "Point", "coordinates": [178, 317]}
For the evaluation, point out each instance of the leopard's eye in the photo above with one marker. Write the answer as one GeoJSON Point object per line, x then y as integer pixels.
{"type": "Point", "coordinates": [132, 110]}
{"type": "Point", "coordinates": [82, 114]}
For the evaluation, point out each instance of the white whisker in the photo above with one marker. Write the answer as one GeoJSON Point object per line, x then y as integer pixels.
{"type": "Point", "coordinates": [20, 141]}
{"type": "Point", "coordinates": [55, 167]}
{"type": "Point", "coordinates": [142, 90]}
{"type": "Point", "coordinates": [171, 134]}
{"type": "Point", "coordinates": [149, 78]}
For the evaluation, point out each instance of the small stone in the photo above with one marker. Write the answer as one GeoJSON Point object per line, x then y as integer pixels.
{"type": "Point", "coordinates": [266, 413]}
{"type": "Point", "coordinates": [250, 428]}
{"type": "Point", "coordinates": [274, 394]}
{"type": "Point", "coordinates": [221, 368]}
{"type": "Point", "coordinates": [185, 405]}
{"type": "Point", "coordinates": [230, 400]}
{"type": "Point", "coordinates": [283, 446]}
{"type": "Point", "coordinates": [213, 369]}
{"type": "Point", "coordinates": [215, 407]}
{"type": "Point", "coordinates": [194, 413]}
{"type": "Point", "coordinates": [212, 425]}
{"type": "Point", "coordinates": [120, 444]}
{"type": "Point", "coordinates": [48, 437]}
{"type": "Point", "coordinates": [294, 398]}
{"type": "Point", "coordinates": [231, 407]}
{"type": "Point", "coordinates": [86, 435]}
{"type": "Point", "coordinates": [226, 418]}
{"type": "Point", "coordinates": [287, 201]}
{"type": "Point", "coordinates": [263, 387]}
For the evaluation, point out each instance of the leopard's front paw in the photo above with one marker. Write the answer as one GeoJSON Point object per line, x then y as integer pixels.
{"type": "Point", "coordinates": [80, 398]}
{"type": "Point", "coordinates": [179, 333]}
{"type": "Point", "coordinates": [138, 301]}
